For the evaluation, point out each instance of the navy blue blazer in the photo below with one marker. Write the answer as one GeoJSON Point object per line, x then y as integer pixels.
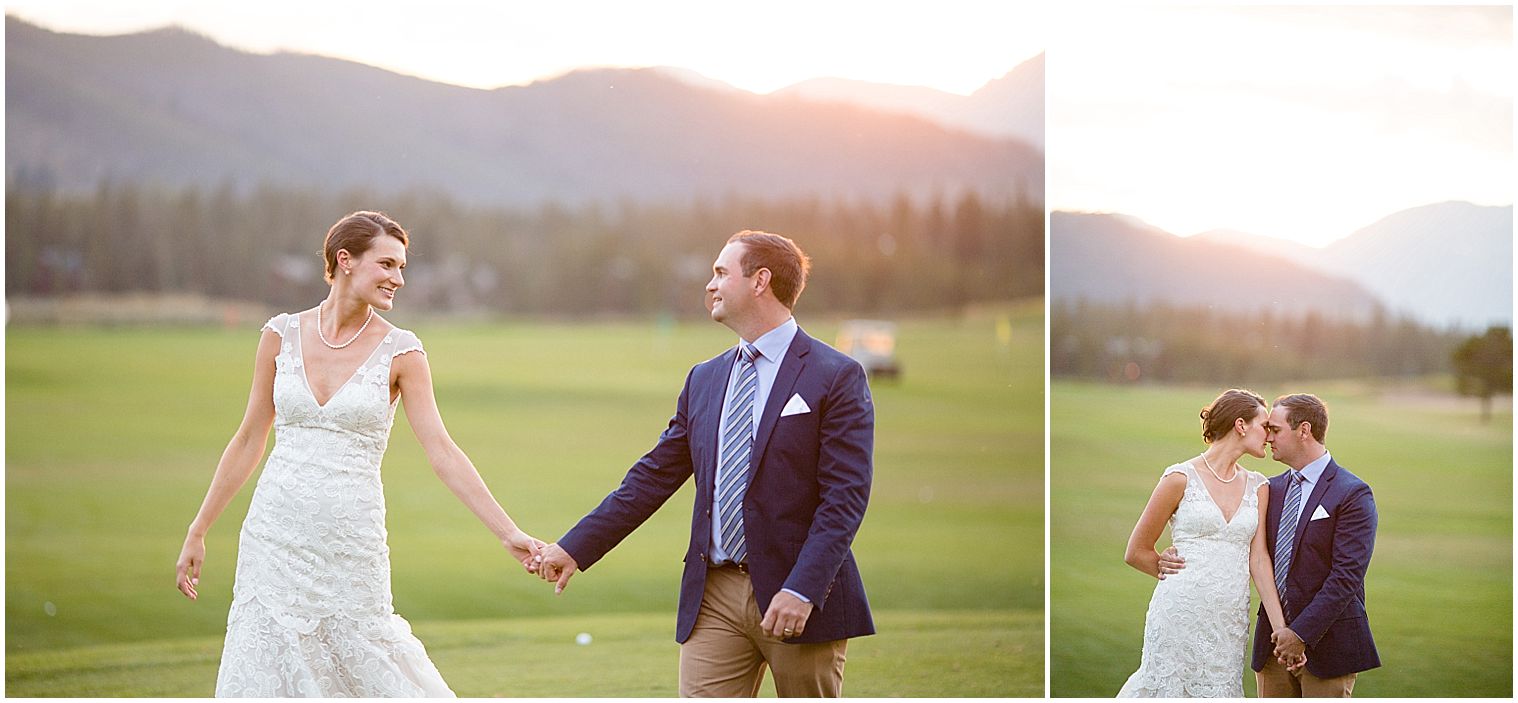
{"type": "Point", "coordinates": [1325, 587]}
{"type": "Point", "coordinates": [808, 488]}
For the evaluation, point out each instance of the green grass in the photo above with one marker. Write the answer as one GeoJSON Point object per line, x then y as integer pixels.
{"type": "Point", "coordinates": [972, 653]}
{"type": "Point", "coordinates": [1439, 589]}
{"type": "Point", "coordinates": [112, 436]}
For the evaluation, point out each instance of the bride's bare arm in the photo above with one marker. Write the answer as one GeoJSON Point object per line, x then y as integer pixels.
{"type": "Point", "coordinates": [1151, 524]}
{"type": "Point", "coordinates": [1260, 568]}
{"type": "Point", "coordinates": [414, 378]}
{"type": "Point", "coordinates": [237, 463]}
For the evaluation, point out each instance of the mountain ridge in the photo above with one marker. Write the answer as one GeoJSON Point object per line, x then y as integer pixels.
{"type": "Point", "coordinates": [173, 108]}
{"type": "Point", "coordinates": [1009, 106]}
{"type": "Point", "coordinates": [1403, 263]}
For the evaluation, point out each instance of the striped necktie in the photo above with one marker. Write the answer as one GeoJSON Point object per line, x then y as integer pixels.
{"type": "Point", "coordinates": [737, 449]}
{"type": "Point", "coordinates": [1287, 534]}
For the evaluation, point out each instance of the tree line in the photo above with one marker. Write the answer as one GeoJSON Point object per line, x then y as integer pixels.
{"type": "Point", "coordinates": [263, 245]}
{"type": "Point", "coordinates": [1162, 342]}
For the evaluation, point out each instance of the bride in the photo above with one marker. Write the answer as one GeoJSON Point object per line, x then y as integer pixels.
{"type": "Point", "coordinates": [1198, 621]}
{"type": "Point", "coordinates": [311, 611]}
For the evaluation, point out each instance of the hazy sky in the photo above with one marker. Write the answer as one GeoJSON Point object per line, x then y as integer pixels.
{"type": "Point", "coordinates": [953, 45]}
{"type": "Point", "coordinates": [1302, 123]}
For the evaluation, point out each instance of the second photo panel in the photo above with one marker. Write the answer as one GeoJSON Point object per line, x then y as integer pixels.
{"type": "Point", "coordinates": [1280, 352]}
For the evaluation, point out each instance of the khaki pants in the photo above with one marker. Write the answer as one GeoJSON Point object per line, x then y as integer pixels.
{"type": "Point", "coordinates": [727, 653]}
{"type": "Point", "coordinates": [1274, 681]}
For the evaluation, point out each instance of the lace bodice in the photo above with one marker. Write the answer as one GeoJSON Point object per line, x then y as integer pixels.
{"type": "Point", "coordinates": [351, 410]}
{"type": "Point", "coordinates": [311, 611]}
{"type": "Point", "coordinates": [1198, 621]}
{"type": "Point", "coordinates": [1199, 523]}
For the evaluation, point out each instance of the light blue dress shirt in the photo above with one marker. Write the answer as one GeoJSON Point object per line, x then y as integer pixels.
{"type": "Point", "coordinates": [1310, 475]}
{"type": "Point", "coordinates": [772, 347]}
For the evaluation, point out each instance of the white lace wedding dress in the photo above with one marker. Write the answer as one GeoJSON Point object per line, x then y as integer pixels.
{"type": "Point", "coordinates": [1197, 627]}
{"type": "Point", "coordinates": [311, 612]}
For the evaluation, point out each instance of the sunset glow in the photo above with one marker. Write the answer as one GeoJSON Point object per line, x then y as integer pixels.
{"type": "Point", "coordinates": [955, 45]}
{"type": "Point", "coordinates": [1299, 123]}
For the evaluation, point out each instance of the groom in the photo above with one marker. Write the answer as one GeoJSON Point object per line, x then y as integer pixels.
{"type": "Point", "coordinates": [1320, 528]}
{"type": "Point", "coordinates": [778, 432]}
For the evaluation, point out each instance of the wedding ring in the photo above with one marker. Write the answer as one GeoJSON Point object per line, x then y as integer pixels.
{"type": "Point", "coordinates": [789, 631]}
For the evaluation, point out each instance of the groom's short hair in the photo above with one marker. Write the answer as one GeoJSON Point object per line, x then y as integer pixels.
{"type": "Point", "coordinates": [1308, 408]}
{"type": "Point", "coordinates": [788, 265]}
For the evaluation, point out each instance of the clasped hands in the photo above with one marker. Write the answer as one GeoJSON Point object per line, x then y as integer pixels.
{"type": "Point", "coordinates": [552, 563]}
{"type": "Point", "coordinates": [1290, 651]}
{"type": "Point", "coordinates": [785, 618]}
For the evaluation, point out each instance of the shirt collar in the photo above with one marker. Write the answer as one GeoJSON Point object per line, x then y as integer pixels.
{"type": "Point", "coordinates": [1313, 471]}
{"type": "Point", "coordinates": [775, 342]}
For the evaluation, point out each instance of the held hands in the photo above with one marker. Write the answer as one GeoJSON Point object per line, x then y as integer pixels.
{"type": "Point", "coordinates": [552, 563]}
{"type": "Point", "coordinates": [1290, 650]}
{"type": "Point", "coordinates": [1171, 562]}
{"type": "Point", "coordinates": [786, 617]}
{"type": "Point", "coordinates": [190, 558]}
{"type": "Point", "coordinates": [522, 546]}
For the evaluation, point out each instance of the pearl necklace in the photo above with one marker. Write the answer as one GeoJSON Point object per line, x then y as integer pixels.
{"type": "Point", "coordinates": [360, 331]}
{"type": "Point", "coordinates": [1204, 461]}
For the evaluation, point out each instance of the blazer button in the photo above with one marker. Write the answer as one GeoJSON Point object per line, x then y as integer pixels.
{"type": "Point", "coordinates": [708, 512]}
{"type": "Point", "coordinates": [703, 556]}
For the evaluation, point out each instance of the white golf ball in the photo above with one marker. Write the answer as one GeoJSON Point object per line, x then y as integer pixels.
{"type": "Point", "coordinates": [582, 639]}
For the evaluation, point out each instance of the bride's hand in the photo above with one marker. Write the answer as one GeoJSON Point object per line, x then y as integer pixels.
{"type": "Point", "coordinates": [523, 547]}
{"type": "Point", "coordinates": [190, 558]}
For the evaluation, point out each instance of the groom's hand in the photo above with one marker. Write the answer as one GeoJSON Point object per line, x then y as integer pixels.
{"type": "Point", "coordinates": [556, 565]}
{"type": "Point", "coordinates": [786, 617]}
{"type": "Point", "coordinates": [1289, 647]}
{"type": "Point", "coordinates": [1170, 562]}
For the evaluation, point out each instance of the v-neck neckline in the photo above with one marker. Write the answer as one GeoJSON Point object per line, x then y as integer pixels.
{"type": "Point", "coordinates": [300, 339]}
{"type": "Point", "coordinates": [1211, 499]}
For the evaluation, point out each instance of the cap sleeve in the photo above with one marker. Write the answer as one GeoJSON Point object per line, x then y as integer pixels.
{"type": "Point", "coordinates": [406, 341]}
{"type": "Point", "coordinates": [1257, 479]}
{"type": "Point", "coordinates": [276, 324]}
{"type": "Point", "coordinates": [1177, 469]}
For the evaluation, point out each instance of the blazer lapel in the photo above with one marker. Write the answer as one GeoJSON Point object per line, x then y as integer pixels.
{"type": "Point", "coordinates": [790, 370]}
{"type": "Point", "coordinates": [708, 407]}
{"type": "Point", "coordinates": [1273, 509]}
{"type": "Point", "coordinates": [1313, 502]}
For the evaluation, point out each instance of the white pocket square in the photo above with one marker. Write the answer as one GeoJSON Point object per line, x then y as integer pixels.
{"type": "Point", "coordinates": [1318, 514]}
{"type": "Point", "coordinates": [795, 406]}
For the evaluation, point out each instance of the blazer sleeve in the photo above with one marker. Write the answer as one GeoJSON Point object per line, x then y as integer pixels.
{"type": "Point", "coordinates": [844, 473]}
{"type": "Point", "coordinates": [648, 484]}
{"type": "Point", "coordinates": [1354, 538]}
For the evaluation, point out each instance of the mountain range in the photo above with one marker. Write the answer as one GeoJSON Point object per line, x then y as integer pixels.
{"type": "Point", "coordinates": [1446, 264]}
{"type": "Point", "coordinates": [1010, 106]}
{"type": "Point", "coordinates": [175, 108]}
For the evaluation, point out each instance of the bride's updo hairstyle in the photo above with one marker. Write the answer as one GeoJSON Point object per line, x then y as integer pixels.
{"type": "Point", "coordinates": [1235, 403]}
{"type": "Point", "coordinates": [356, 233]}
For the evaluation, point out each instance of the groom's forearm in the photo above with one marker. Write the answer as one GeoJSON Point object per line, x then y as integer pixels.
{"type": "Point", "coordinates": [834, 526]}
{"type": "Point", "coordinates": [648, 484]}
{"type": "Point", "coordinates": [601, 530]}
{"type": "Point", "coordinates": [1353, 544]}
{"type": "Point", "coordinates": [646, 487]}
{"type": "Point", "coordinates": [844, 474]}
